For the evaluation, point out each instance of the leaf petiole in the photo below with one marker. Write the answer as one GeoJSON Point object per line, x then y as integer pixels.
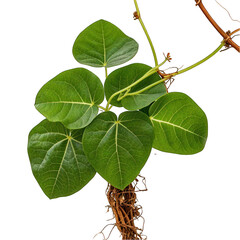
{"type": "Point", "coordinates": [103, 108]}
{"type": "Point", "coordinates": [168, 76]}
{"type": "Point", "coordinates": [201, 61]}
{"type": "Point", "coordinates": [121, 96]}
{"type": "Point", "coordinates": [106, 73]}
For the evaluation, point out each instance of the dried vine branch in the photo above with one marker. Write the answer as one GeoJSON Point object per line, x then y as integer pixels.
{"type": "Point", "coordinates": [225, 35]}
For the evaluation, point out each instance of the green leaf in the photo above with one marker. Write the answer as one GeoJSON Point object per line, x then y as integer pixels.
{"type": "Point", "coordinates": [57, 159]}
{"type": "Point", "coordinates": [146, 109]}
{"type": "Point", "coordinates": [180, 125]}
{"type": "Point", "coordinates": [103, 44]}
{"type": "Point", "coordinates": [118, 148]}
{"type": "Point", "coordinates": [72, 98]}
{"type": "Point", "coordinates": [123, 77]}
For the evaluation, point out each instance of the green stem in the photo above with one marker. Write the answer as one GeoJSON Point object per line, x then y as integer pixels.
{"type": "Point", "coordinates": [203, 60]}
{"type": "Point", "coordinates": [137, 8]}
{"type": "Point", "coordinates": [150, 41]}
{"type": "Point", "coordinates": [123, 96]}
{"type": "Point", "coordinates": [158, 66]}
{"type": "Point", "coordinates": [128, 88]}
{"type": "Point", "coordinates": [150, 72]}
{"type": "Point", "coordinates": [148, 87]}
{"type": "Point", "coordinates": [103, 108]}
{"type": "Point", "coordinates": [146, 33]}
{"type": "Point", "coordinates": [106, 73]}
{"type": "Point", "coordinates": [180, 72]}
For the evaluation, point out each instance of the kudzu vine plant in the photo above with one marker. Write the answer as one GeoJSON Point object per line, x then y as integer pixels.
{"type": "Point", "coordinates": [75, 142]}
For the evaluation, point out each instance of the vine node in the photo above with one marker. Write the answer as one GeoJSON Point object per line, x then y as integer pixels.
{"type": "Point", "coordinates": [136, 15]}
{"type": "Point", "coordinates": [198, 2]}
{"type": "Point", "coordinates": [229, 36]}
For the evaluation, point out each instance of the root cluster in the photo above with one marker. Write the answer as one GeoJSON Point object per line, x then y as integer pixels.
{"type": "Point", "coordinates": [126, 210]}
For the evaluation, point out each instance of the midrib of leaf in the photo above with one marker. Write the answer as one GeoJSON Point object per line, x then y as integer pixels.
{"type": "Point", "coordinates": [104, 46]}
{"type": "Point", "coordinates": [116, 149]}
{"type": "Point", "coordinates": [105, 136]}
{"type": "Point", "coordinates": [116, 142]}
{"type": "Point", "coordinates": [177, 126]}
{"type": "Point", "coordinates": [66, 102]}
{"type": "Point", "coordinates": [53, 133]}
{"type": "Point", "coordinates": [60, 167]}
{"type": "Point", "coordinates": [75, 157]}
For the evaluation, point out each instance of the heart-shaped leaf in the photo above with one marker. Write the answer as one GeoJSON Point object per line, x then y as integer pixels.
{"type": "Point", "coordinates": [123, 77]}
{"type": "Point", "coordinates": [72, 97]}
{"type": "Point", "coordinates": [118, 148]}
{"type": "Point", "coordinates": [57, 159]}
{"type": "Point", "coordinates": [180, 125]}
{"type": "Point", "coordinates": [102, 44]}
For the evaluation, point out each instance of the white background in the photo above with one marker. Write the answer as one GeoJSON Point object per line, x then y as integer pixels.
{"type": "Point", "coordinates": [190, 197]}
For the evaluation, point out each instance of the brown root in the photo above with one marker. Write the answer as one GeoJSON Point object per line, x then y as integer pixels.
{"type": "Point", "coordinates": [126, 210]}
